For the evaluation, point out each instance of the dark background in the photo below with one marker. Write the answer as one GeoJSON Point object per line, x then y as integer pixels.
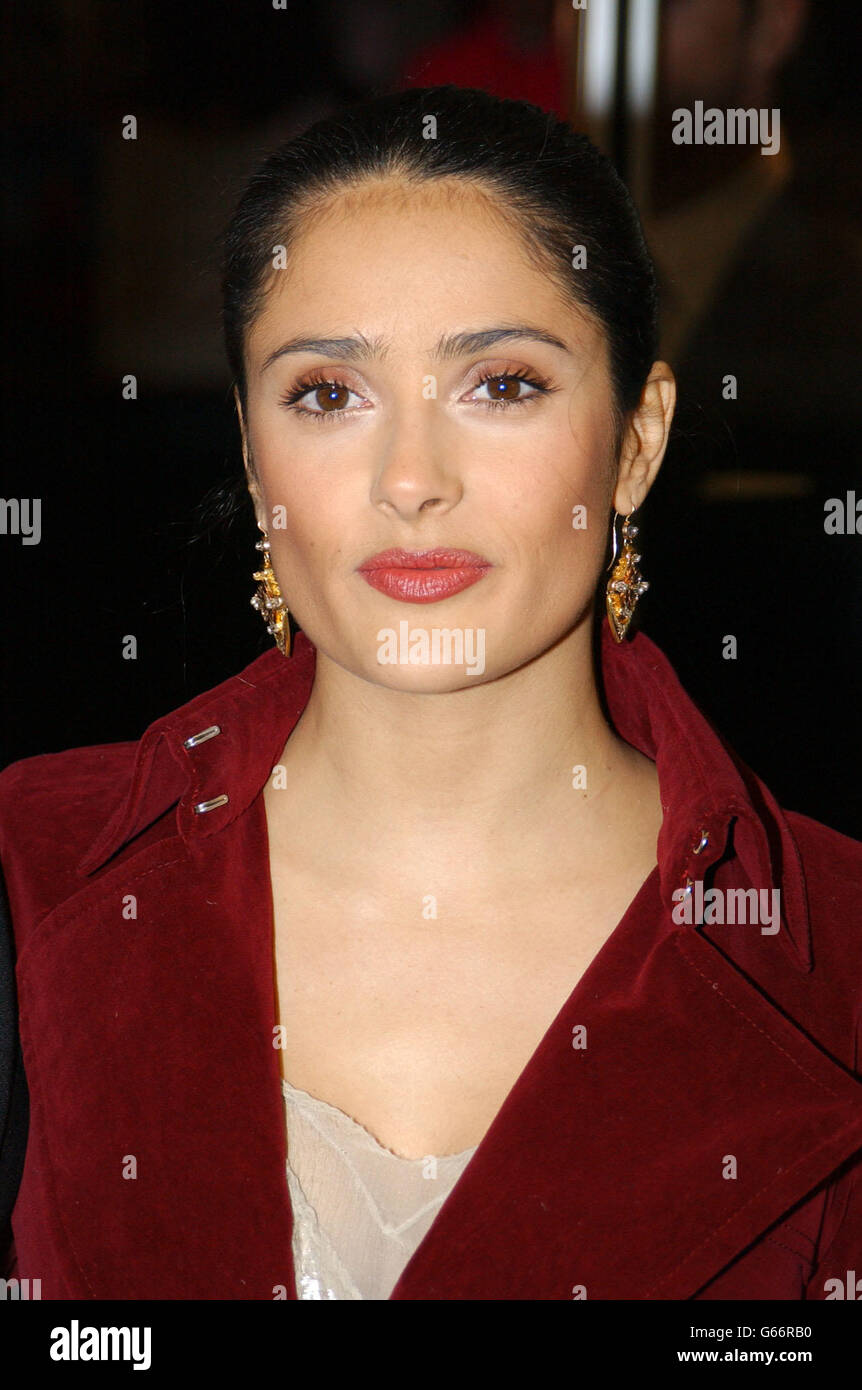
{"type": "Point", "coordinates": [110, 266]}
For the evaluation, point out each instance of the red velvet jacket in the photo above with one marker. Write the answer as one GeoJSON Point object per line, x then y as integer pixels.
{"type": "Point", "coordinates": [609, 1170]}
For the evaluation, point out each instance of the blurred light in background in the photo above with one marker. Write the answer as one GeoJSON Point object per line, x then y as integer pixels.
{"type": "Point", "coordinates": [642, 54]}
{"type": "Point", "coordinates": [618, 47]}
{"type": "Point", "coordinates": [599, 51]}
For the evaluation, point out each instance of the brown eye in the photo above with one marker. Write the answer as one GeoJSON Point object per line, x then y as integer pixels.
{"type": "Point", "coordinates": [322, 400]}
{"type": "Point", "coordinates": [331, 397]}
{"type": "Point", "coordinates": [510, 388]}
{"type": "Point", "coordinates": [504, 388]}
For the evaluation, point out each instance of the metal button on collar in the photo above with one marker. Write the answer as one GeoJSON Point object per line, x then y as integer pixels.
{"type": "Point", "coordinates": [202, 736]}
{"type": "Point", "coordinates": [210, 805]}
{"type": "Point", "coordinates": [203, 806]}
{"type": "Point", "coordinates": [701, 845]}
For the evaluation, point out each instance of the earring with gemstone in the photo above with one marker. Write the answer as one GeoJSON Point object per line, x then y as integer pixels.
{"type": "Point", "coordinates": [625, 585]}
{"type": "Point", "coordinates": [269, 602]}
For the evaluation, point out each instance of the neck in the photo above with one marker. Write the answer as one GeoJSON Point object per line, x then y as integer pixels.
{"type": "Point", "coordinates": [488, 762]}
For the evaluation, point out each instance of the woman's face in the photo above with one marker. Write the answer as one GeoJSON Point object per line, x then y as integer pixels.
{"type": "Point", "coordinates": [461, 403]}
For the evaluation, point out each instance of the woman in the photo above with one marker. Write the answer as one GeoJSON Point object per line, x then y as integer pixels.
{"type": "Point", "coordinates": [445, 952]}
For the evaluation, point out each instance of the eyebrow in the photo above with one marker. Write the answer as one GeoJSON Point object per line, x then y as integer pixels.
{"type": "Point", "coordinates": [358, 347]}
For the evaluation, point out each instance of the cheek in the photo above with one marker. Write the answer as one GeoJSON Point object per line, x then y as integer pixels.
{"type": "Point", "coordinates": [563, 492]}
{"type": "Point", "coordinates": [554, 542]}
{"type": "Point", "coordinates": [312, 476]}
{"type": "Point", "coordinates": [301, 513]}
{"type": "Point", "coordinates": [309, 533]}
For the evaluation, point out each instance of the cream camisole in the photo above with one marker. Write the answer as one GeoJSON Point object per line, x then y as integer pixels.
{"type": "Point", "coordinates": [359, 1210]}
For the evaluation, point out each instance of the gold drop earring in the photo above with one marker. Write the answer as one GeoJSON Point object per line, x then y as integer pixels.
{"type": "Point", "coordinates": [268, 599]}
{"type": "Point", "coordinates": [625, 585]}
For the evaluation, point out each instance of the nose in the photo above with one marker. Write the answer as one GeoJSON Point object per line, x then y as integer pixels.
{"type": "Point", "coordinates": [417, 471]}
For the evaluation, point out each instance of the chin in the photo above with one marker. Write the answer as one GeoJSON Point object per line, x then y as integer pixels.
{"type": "Point", "coordinates": [415, 650]}
{"type": "Point", "coordinates": [425, 680]}
{"type": "Point", "coordinates": [430, 683]}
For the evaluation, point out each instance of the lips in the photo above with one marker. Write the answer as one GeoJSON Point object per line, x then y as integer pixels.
{"type": "Point", "coordinates": [423, 576]}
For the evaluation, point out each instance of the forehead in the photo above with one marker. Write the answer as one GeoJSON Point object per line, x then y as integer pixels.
{"type": "Point", "coordinates": [392, 255]}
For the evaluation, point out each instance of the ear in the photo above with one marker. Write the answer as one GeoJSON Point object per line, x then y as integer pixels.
{"type": "Point", "coordinates": [248, 463]}
{"type": "Point", "coordinates": [645, 439]}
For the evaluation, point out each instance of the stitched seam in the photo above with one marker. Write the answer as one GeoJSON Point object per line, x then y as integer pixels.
{"type": "Point", "coordinates": [804, 1159]}
{"type": "Point", "coordinates": [771, 1240]}
{"type": "Point", "coordinates": [796, 1231]}
{"type": "Point", "coordinates": [50, 932]}
{"type": "Point", "coordinates": [756, 1026]}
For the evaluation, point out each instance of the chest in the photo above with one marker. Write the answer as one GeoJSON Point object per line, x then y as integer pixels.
{"type": "Point", "coordinates": [416, 1012]}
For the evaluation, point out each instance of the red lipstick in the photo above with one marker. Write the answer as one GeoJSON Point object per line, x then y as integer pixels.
{"type": "Point", "coordinates": [423, 576]}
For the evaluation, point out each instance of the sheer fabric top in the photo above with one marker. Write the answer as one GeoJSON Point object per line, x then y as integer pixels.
{"type": "Point", "coordinates": [359, 1210]}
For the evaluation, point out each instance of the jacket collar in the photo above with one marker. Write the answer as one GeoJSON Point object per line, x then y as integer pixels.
{"type": "Point", "coordinates": [211, 758]}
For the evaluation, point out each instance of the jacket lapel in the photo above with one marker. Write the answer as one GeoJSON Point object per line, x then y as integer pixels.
{"type": "Point", "coordinates": [602, 1175]}
{"type": "Point", "coordinates": [165, 963]}
{"type": "Point", "coordinates": [179, 1189]}
{"type": "Point", "coordinates": [160, 1103]}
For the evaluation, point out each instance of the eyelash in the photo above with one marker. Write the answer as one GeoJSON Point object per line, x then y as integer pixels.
{"type": "Point", "coordinates": [314, 382]}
